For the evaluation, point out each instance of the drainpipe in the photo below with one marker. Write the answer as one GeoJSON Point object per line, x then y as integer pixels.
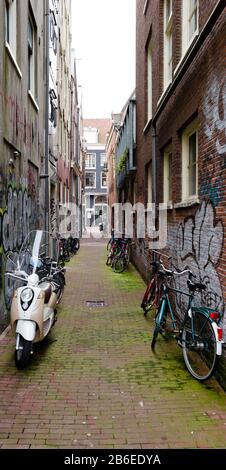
{"type": "Point", "coordinates": [46, 192]}
{"type": "Point", "coordinates": [154, 161]}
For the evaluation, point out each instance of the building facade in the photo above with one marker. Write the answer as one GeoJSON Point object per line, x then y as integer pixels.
{"type": "Point", "coordinates": [181, 116]}
{"type": "Point", "coordinates": [39, 127]}
{"type": "Point", "coordinates": [110, 148]}
{"type": "Point", "coordinates": [22, 120]}
{"type": "Point", "coordinates": [95, 176]}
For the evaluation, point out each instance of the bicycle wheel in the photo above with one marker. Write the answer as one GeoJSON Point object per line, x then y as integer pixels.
{"type": "Point", "coordinates": [199, 348]}
{"type": "Point", "coordinates": [149, 296]}
{"type": "Point", "coordinates": [119, 264]}
{"type": "Point", "coordinates": [109, 244]}
{"type": "Point", "coordinates": [160, 321]}
{"type": "Point", "coordinates": [109, 259]}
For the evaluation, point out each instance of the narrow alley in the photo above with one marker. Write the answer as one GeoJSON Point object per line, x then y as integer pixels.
{"type": "Point", "coordinates": [95, 383]}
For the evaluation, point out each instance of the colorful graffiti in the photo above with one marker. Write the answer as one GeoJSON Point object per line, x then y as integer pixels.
{"type": "Point", "coordinates": [199, 245]}
{"type": "Point", "coordinates": [15, 222]}
{"type": "Point", "coordinates": [15, 219]}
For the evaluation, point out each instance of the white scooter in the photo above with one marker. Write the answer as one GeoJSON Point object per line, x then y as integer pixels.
{"type": "Point", "coordinates": [33, 307]}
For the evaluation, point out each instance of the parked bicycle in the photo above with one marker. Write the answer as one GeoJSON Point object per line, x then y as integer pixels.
{"type": "Point", "coordinates": [199, 333]}
{"type": "Point", "coordinates": [153, 291]}
{"type": "Point", "coordinates": [67, 248]}
{"type": "Point", "coordinates": [121, 258]}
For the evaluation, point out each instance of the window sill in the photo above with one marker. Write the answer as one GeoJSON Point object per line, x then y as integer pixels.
{"type": "Point", "coordinates": [187, 203]}
{"type": "Point", "coordinates": [147, 126]}
{"type": "Point", "coordinates": [145, 7]}
{"type": "Point", "coordinates": [34, 102]}
{"type": "Point", "coordinates": [11, 55]}
{"type": "Point", "coordinates": [169, 205]}
{"type": "Point", "coordinates": [164, 93]}
{"type": "Point", "coordinates": [185, 53]}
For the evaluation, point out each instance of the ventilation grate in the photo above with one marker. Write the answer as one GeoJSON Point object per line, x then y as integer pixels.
{"type": "Point", "coordinates": [94, 303]}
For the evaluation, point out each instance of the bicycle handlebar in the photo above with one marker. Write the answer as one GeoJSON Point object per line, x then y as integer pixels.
{"type": "Point", "coordinates": [177, 273]}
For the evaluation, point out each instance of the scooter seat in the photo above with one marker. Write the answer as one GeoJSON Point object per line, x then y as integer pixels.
{"type": "Point", "coordinates": [47, 288]}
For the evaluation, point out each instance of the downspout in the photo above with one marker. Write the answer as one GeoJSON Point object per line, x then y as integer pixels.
{"type": "Point", "coordinates": [47, 116]}
{"type": "Point", "coordinates": [77, 179]}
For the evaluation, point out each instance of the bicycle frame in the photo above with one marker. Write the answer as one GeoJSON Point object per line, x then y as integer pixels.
{"type": "Point", "coordinates": [189, 313]}
{"type": "Point", "coordinates": [166, 303]}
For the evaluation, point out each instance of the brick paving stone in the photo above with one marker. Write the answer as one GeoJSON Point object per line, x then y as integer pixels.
{"type": "Point", "coordinates": [95, 383]}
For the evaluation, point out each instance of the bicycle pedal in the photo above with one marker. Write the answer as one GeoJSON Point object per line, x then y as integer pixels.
{"type": "Point", "coordinates": [175, 331]}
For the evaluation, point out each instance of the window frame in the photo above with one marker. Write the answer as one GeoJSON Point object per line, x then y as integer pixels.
{"type": "Point", "coordinates": [10, 24]}
{"type": "Point", "coordinates": [32, 55]}
{"type": "Point", "coordinates": [90, 154]}
{"type": "Point", "coordinates": [167, 46]}
{"type": "Point", "coordinates": [103, 173]}
{"type": "Point", "coordinates": [187, 133]}
{"type": "Point", "coordinates": [149, 80]}
{"type": "Point", "coordinates": [101, 158]}
{"type": "Point", "coordinates": [186, 16]}
{"type": "Point", "coordinates": [90, 187]}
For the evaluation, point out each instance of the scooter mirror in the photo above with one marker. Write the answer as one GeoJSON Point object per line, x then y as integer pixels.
{"type": "Point", "coordinates": [11, 257]}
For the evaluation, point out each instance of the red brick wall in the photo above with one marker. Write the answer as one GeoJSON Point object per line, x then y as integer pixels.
{"type": "Point", "coordinates": [195, 233]}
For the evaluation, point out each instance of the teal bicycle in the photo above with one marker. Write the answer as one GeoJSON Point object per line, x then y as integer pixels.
{"type": "Point", "coordinates": [199, 333]}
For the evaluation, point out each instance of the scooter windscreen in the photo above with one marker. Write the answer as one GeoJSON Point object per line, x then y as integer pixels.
{"type": "Point", "coordinates": [37, 246]}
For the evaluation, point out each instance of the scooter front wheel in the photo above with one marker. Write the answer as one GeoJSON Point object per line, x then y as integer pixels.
{"type": "Point", "coordinates": [23, 354]}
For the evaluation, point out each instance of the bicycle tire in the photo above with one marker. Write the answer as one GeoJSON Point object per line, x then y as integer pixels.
{"type": "Point", "coordinates": [154, 337]}
{"type": "Point", "coordinates": [200, 358]}
{"type": "Point", "coordinates": [109, 260]}
{"type": "Point", "coordinates": [109, 244]}
{"type": "Point", "coordinates": [149, 296]}
{"type": "Point", "coordinates": [119, 265]}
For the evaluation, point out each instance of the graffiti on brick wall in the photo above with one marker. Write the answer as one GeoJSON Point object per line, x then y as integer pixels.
{"type": "Point", "coordinates": [198, 247]}
{"type": "Point", "coordinates": [215, 114]}
{"type": "Point", "coordinates": [15, 222]}
{"type": "Point", "coordinates": [17, 119]}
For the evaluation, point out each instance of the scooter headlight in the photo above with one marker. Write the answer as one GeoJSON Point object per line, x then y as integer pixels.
{"type": "Point", "coordinates": [27, 295]}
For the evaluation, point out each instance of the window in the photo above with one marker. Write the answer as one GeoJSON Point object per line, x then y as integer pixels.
{"type": "Point", "coordinates": [102, 159]}
{"type": "Point", "coordinates": [190, 161]}
{"type": "Point", "coordinates": [11, 25]}
{"type": "Point", "coordinates": [103, 180]}
{"type": "Point", "coordinates": [149, 80]}
{"type": "Point", "coordinates": [91, 160]}
{"type": "Point", "coordinates": [32, 56]}
{"type": "Point", "coordinates": [167, 42]}
{"type": "Point", "coordinates": [189, 23]}
{"type": "Point", "coordinates": [90, 179]}
{"type": "Point", "coordinates": [167, 174]}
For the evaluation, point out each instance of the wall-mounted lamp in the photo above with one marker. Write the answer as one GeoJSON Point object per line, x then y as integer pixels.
{"type": "Point", "coordinates": [11, 163]}
{"type": "Point", "coordinates": [16, 153]}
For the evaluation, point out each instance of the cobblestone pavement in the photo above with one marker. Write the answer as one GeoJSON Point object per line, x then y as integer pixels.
{"type": "Point", "coordinates": [95, 382]}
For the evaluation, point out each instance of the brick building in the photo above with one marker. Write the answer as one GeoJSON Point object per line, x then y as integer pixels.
{"type": "Point", "coordinates": [95, 195]}
{"type": "Point", "coordinates": [181, 133]}
{"type": "Point", "coordinates": [22, 111]}
{"type": "Point", "coordinates": [111, 145]}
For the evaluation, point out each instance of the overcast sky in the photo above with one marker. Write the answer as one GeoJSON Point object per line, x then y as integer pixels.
{"type": "Point", "coordinates": [103, 36]}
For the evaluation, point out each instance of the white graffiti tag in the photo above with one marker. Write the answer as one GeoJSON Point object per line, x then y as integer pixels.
{"type": "Point", "coordinates": [199, 246]}
{"type": "Point", "coordinates": [215, 114]}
